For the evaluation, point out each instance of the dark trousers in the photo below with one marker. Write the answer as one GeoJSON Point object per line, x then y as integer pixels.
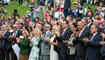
{"type": "Point", "coordinates": [20, 1]}
{"type": "Point", "coordinates": [71, 57]}
{"type": "Point", "coordinates": [63, 57]}
{"type": "Point", "coordinates": [13, 55]}
{"type": "Point", "coordinates": [6, 54]}
{"type": "Point", "coordinates": [103, 58]}
{"type": "Point", "coordinates": [2, 57]}
{"type": "Point", "coordinates": [79, 58]}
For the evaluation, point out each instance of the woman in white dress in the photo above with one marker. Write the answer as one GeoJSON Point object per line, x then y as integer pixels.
{"type": "Point", "coordinates": [54, 43]}
{"type": "Point", "coordinates": [34, 55]}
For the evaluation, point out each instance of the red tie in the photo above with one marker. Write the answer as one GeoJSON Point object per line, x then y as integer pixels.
{"type": "Point", "coordinates": [63, 32]}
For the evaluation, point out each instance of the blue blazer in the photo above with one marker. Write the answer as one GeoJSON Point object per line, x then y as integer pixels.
{"type": "Point", "coordinates": [103, 50]}
{"type": "Point", "coordinates": [93, 48]}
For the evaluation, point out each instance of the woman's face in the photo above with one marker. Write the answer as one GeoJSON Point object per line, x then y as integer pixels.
{"type": "Point", "coordinates": [34, 32]}
{"type": "Point", "coordinates": [73, 28]}
{"type": "Point", "coordinates": [24, 34]}
{"type": "Point", "coordinates": [54, 30]}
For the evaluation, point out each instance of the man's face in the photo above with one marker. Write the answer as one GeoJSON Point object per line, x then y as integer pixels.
{"type": "Point", "coordinates": [68, 19]}
{"type": "Point", "coordinates": [93, 29]}
{"type": "Point", "coordinates": [64, 25]}
{"type": "Point", "coordinates": [15, 28]}
{"type": "Point", "coordinates": [80, 27]}
{"type": "Point", "coordinates": [47, 27]}
{"type": "Point", "coordinates": [3, 28]}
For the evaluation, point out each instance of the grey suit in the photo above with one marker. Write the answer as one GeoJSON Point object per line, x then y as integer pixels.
{"type": "Point", "coordinates": [45, 47]}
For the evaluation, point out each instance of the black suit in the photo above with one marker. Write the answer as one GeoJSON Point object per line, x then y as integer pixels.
{"type": "Point", "coordinates": [63, 53]}
{"type": "Point", "coordinates": [103, 52]}
{"type": "Point", "coordinates": [7, 44]}
{"type": "Point", "coordinates": [13, 41]}
{"type": "Point", "coordinates": [93, 48]}
{"type": "Point", "coordinates": [2, 45]}
{"type": "Point", "coordinates": [89, 26]}
{"type": "Point", "coordinates": [80, 45]}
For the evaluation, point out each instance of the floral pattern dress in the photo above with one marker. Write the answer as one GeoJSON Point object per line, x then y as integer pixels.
{"type": "Point", "coordinates": [34, 55]}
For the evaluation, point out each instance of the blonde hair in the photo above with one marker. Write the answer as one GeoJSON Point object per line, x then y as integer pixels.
{"type": "Point", "coordinates": [26, 32]}
{"type": "Point", "coordinates": [38, 31]}
{"type": "Point", "coordinates": [56, 28]}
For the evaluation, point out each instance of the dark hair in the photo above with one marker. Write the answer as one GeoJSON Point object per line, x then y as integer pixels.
{"type": "Point", "coordinates": [95, 10]}
{"type": "Point", "coordinates": [15, 10]}
{"type": "Point", "coordinates": [96, 26]}
{"type": "Point", "coordinates": [37, 18]}
{"type": "Point", "coordinates": [74, 24]}
{"type": "Point", "coordinates": [66, 22]}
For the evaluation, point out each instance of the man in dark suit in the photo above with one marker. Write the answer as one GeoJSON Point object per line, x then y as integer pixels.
{"type": "Point", "coordinates": [89, 23]}
{"type": "Point", "coordinates": [15, 34]}
{"type": "Point", "coordinates": [67, 7]}
{"type": "Point", "coordinates": [2, 44]}
{"type": "Point", "coordinates": [93, 46]}
{"type": "Point", "coordinates": [5, 36]}
{"type": "Point", "coordinates": [64, 36]}
{"type": "Point", "coordinates": [80, 45]}
{"type": "Point", "coordinates": [103, 46]}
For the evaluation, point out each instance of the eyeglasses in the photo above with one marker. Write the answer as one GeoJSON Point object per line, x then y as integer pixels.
{"type": "Point", "coordinates": [46, 27]}
{"type": "Point", "coordinates": [23, 33]}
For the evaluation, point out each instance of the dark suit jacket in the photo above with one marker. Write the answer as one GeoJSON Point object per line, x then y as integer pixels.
{"type": "Point", "coordinates": [90, 26]}
{"type": "Point", "coordinates": [7, 34]}
{"type": "Point", "coordinates": [103, 50]}
{"type": "Point", "coordinates": [66, 36]}
{"type": "Point", "coordinates": [19, 33]}
{"type": "Point", "coordinates": [93, 48]}
{"type": "Point", "coordinates": [7, 41]}
{"type": "Point", "coordinates": [80, 45]}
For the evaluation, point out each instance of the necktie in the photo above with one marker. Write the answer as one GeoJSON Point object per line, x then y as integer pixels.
{"type": "Point", "coordinates": [92, 38]}
{"type": "Point", "coordinates": [80, 33]}
{"type": "Point", "coordinates": [63, 32]}
{"type": "Point", "coordinates": [15, 34]}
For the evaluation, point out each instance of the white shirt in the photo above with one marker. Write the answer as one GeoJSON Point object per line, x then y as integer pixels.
{"type": "Point", "coordinates": [57, 14]}
{"type": "Point", "coordinates": [82, 31]}
{"type": "Point", "coordinates": [93, 36]}
{"type": "Point", "coordinates": [88, 24]}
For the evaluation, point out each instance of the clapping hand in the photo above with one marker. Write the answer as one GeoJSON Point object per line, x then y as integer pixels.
{"type": "Point", "coordinates": [57, 33]}
{"type": "Point", "coordinates": [47, 39]}
{"type": "Point", "coordinates": [102, 42]}
{"type": "Point", "coordinates": [11, 36]}
{"type": "Point", "coordinates": [103, 35]}
{"type": "Point", "coordinates": [18, 40]}
{"type": "Point", "coordinates": [30, 38]}
{"type": "Point", "coordinates": [86, 40]}
{"type": "Point", "coordinates": [65, 41]}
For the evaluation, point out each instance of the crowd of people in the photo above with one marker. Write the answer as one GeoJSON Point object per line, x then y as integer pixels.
{"type": "Point", "coordinates": [65, 33]}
